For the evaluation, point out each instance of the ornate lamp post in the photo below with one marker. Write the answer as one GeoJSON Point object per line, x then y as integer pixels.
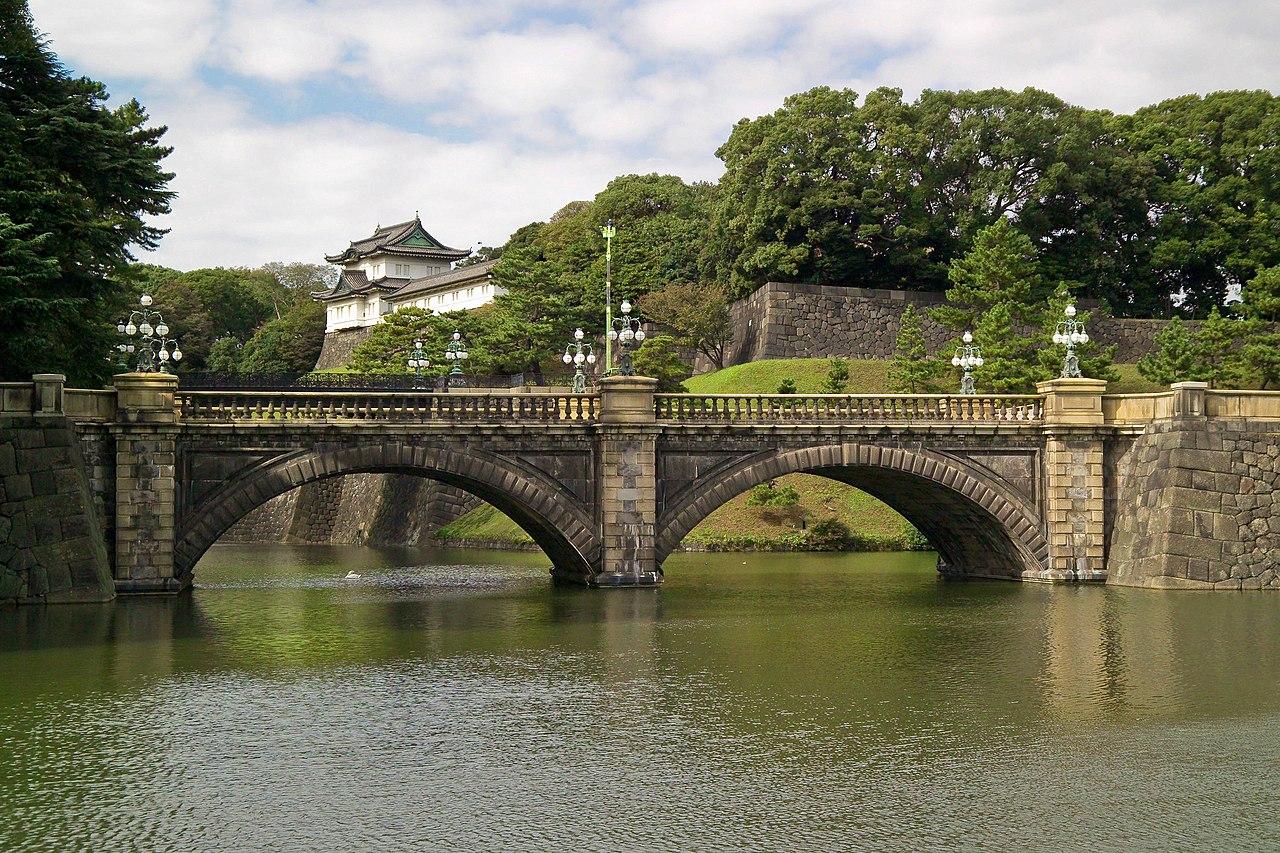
{"type": "Point", "coordinates": [417, 362]}
{"type": "Point", "coordinates": [156, 348]}
{"type": "Point", "coordinates": [578, 353]}
{"type": "Point", "coordinates": [627, 332]}
{"type": "Point", "coordinates": [608, 232]}
{"type": "Point", "coordinates": [456, 352]}
{"type": "Point", "coordinates": [968, 356]}
{"type": "Point", "coordinates": [1070, 332]}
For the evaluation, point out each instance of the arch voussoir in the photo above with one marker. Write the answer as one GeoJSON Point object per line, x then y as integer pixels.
{"type": "Point", "coordinates": [921, 481]}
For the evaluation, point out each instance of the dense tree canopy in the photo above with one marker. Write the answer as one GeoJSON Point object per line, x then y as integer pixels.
{"type": "Point", "coordinates": [1168, 206]}
{"type": "Point", "coordinates": [78, 185]}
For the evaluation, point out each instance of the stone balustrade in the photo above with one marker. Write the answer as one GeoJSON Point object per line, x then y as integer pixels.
{"type": "Point", "coordinates": [384, 406]}
{"type": "Point", "coordinates": [848, 408]}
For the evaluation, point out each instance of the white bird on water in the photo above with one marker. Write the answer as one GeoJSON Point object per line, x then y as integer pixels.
{"type": "Point", "coordinates": [352, 576]}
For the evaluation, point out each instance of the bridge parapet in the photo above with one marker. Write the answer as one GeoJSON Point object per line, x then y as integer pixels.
{"type": "Point", "coordinates": [385, 406]}
{"type": "Point", "coordinates": [849, 408]}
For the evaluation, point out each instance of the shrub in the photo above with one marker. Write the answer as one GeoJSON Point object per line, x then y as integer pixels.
{"type": "Point", "coordinates": [771, 494]}
{"type": "Point", "coordinates": [829, 534]}
{"type": "Point", "coordinates": [788, 386]}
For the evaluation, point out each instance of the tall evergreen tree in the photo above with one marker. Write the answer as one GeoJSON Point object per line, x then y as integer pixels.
{"type": "Point", "coordinates": [1217, 344]}
{"type": "Point", "coordinates": [1261, 311]}
{"type": "Point", "coordinates": [79, 181]}
{"type": "Point", "coordinates": [1174, 356]}
{"type": "Point", "coordinates": [912, 371]}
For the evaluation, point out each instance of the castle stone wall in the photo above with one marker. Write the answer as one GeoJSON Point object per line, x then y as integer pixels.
{"type": "Point", "coordinates": [790, 320]}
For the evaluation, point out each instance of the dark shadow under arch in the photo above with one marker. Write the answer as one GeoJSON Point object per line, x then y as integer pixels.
{"type": "Point", "coordinates": [979, 527]}
{"type": "Point", "coordinates": [551, 516]}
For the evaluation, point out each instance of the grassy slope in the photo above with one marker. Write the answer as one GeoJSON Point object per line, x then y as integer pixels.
{"type": "Point", "coordinates": [735, 523]}
{"type": "Point", "coordinates": [865, 377]}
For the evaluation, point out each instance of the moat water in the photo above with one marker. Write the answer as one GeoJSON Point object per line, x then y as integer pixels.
{"type": "Point", "coordinates": [456, 700]}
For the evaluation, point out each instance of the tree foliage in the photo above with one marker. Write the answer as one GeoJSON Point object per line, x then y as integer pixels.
{"type": "Point", "coordinates": [912, 371]}
{"type": "Point", "coordinates": [79, 187]}
{"type": "Point", "coordinates": [659, 358]}
{"type": "Point", "coordinates": [696, 313]}
{"type": "Point", "coordinates": [1261, 312]}
{"type": "Point", "coordinates": [386, 350]}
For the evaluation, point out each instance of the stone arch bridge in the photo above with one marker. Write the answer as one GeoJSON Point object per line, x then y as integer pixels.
{"type": "Point", "coordinates": [1068, 484]}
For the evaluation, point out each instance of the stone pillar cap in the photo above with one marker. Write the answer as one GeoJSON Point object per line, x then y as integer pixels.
{"type": "Point", "coordinates": [1080, 383]}
{"type": "Point", "coordinates": [1191, 385]}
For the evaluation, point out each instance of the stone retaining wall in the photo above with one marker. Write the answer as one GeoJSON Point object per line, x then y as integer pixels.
{"type": "Point", "coordinates": [358, 509]}
{"type": "Point", "coordinates": [51, 544]}
{"type": "Point", "coordinates": [1196, 506]}
{"type": "Point", "coordinates": [789, 320]}
{"type": "Point", "coordinates": [339, 345]}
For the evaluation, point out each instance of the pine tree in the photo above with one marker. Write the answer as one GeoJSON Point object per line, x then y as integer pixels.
{"type": "Point", "coordinates": [1261, 312]}
{"type": "Point", "coordinates": [1174, 358]}
{"type": "Point", "coordinates": [1001, 269]}
{"type": "Point", "coordinates": [837, 376]}
{"type": "Point", "coordinates": [659, 357]}
{"type": "Point", "coordinates": [1216, 346]}
{"type": "Point", "coordinates": [79, 185]}
{"type": "Point", "coordinates": [912, 371]}
{"type": "Point", "coordinates": [1009, 365]}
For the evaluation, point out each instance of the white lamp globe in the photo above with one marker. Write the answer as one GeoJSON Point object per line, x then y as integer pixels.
{"type": "Point", "coordinates": [463, 354]}
{"type": "Point", "coordinates": [1084, 337]}
{"type": "Point", "coordinates": [627, 334]}
{"type": "Point", "coordinates": [567, 358]}
{"type": "Point", "coordinates": [613, 334]}
{"type": "Point", "coordinates": [130, 329]}
{"type": "Point", "coordinates": [977, 362]}
{"type": "Point", "coordinates": [591, 358]}
{"type": "Point", "coordinates": [146, 329]}
{"type": "Point", "coordinates": [162, 330]}
{"type": "Point", "coordinates": [457, 336]}
{"type": "Point", "coordinates": [579, 358]}
{"type": "Point", "coordinates": [177, 355]}
{"type": "Point", "coordinates": [164, 355]}
{"type": "Point", "coordinates": [120, 327]}
{"type": "Point", "coordinates": [955, 361]}
{"type": "Point", "coordinates": [639, 334]}
{"type": "Point", "coordinates": [130, 348]}
{"type": "Point", "coordinates": [145, 300]}
{"type": "Point", "coordinates": [577, 334]}
{"type": "Point", "coordinates": [626, 307]}
{"type": "Point", "coordinates": [1070, 311]}
{"type": "Point", "coordinates": [968, 337]}
{"type": "Point", "coordinates": [1057, 337]}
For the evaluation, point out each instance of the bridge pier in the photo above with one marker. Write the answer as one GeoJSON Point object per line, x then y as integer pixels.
{"type": "Point", "coordinates": [146, 438]}
{"type": "Point", "coordinates": [1073, 488]}
{"type": "Point", "coordinates": [627, 451]}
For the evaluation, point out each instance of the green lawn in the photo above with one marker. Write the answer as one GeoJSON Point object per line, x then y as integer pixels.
{"type": "Point", "coordinates": [866, 376]}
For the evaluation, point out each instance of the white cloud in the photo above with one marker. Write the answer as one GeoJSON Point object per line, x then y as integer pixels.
{"type": "Point", "coordinates": [134, 38]}
{"type": "Point", "coordinates": [557, 96]}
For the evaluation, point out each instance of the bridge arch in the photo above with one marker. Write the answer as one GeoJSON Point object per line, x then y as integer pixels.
{"type": "Point", "coordinates": [978, 526]}
{"type": "Point", "coordinates": [549, 513]}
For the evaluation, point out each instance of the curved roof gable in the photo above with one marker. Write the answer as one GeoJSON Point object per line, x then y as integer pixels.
{"type": "Point", "coordinates": [404, 239]}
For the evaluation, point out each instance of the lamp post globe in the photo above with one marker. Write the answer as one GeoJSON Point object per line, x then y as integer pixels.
{"type": "Point", "coordinates": [968, 356]}
{"type": "Point", "coordinates": [155, 349]}
{"type": "Point", "coordinates": [1070, 333]}
{"type": "Point", "coordinates": [578, 353]}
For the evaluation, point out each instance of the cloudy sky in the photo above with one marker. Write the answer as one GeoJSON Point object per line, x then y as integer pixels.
{"type": "Point", "coordinates": [301, 124]}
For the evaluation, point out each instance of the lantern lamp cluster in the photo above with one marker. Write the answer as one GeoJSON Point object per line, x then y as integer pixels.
{"type": "Point", "coordinates": [456, 353]}
{"type": "Point", "coordinates": [155, 349]}
{"type": "Point", "coordinates": [418, 362]}
{"type": "Point", "coordinates": [579, 353]}
{"type": "Point", "coordinates": [968, 356]}
{"type": "Point", "coordinates": [628, 334]}
{"type": "Point", "coordinates": [1070, 333]}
